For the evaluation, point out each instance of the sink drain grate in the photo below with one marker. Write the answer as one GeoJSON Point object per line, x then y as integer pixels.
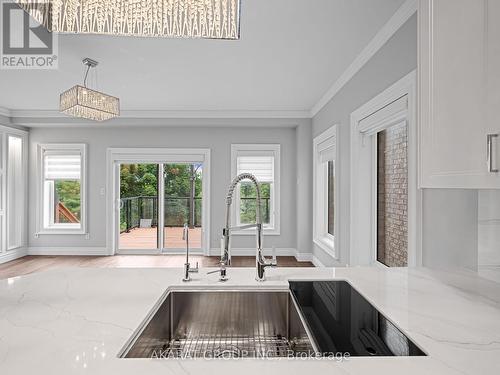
{"type": "Point", "coordinates": [233, 347]}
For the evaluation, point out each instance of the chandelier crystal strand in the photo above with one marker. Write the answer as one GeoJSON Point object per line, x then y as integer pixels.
{"type": "Point", "coordinates": [216, 19]}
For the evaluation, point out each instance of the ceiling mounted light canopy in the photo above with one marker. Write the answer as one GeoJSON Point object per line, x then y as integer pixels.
{"type": "Point", "coordinates": [80, 101]}
{"type": "Point", "coordinates": [214, 19]}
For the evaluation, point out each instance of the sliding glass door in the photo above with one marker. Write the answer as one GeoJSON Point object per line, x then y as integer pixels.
{"type": "Point", "coordinates": [139, 206]}
{"type": "Point", "coordinates": [160, 195]}
{"type": "Point", "coordinates": [183, 204]}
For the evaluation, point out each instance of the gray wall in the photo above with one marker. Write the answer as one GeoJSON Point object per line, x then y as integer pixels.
{"type": "Point", "coordinates": [395, 60]}
{"type": "Point", "coordinates": [218, 139]}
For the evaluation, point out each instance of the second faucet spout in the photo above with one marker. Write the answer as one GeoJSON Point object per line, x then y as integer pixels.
{"type": "Point", "coordinates": [187, 265]}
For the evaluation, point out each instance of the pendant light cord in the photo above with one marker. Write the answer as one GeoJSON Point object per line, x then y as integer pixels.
{"type": "Point", "coordinates": [86, 74]}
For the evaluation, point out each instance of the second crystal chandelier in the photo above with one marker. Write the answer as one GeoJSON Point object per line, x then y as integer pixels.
{"type": "Point", "coordinates": [215, 19]}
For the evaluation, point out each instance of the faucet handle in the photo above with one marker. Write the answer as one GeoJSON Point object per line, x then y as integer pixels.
{"type": "Point", "coordinates": [221, 266]}
{"type": "Point", "coordinates": [222, 270]}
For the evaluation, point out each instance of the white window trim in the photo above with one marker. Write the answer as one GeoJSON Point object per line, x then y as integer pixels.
{"type": "Point", "coordinates": [59, 230]}
{"type": "Point", "coordinates": [275, 149]}
{"type": "Point", "coordinates": [363, 250]}
{"type": "Point", "coordinates": [322, 238]}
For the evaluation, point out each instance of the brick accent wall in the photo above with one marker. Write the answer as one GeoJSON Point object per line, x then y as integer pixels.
{"type": "Point", "coordinates": [392, 196]}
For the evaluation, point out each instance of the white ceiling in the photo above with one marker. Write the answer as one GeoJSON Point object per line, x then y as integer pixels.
{"type": "Point", "coordinates": [290, 53]}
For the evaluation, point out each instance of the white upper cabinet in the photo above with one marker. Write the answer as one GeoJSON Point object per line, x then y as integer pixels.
{"type": "Point", "coordinates": [493, 82]}
{"type": "Point", "coordinates": [459, 93]}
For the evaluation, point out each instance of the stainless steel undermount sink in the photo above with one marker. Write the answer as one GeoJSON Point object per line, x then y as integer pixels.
{"type": "Point", "coordinates": [222, 324]}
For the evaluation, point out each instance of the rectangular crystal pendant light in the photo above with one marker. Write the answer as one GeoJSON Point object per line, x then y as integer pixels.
{"type": "Point", "coordinates": [80, 101]}
{"type": "Point", "coordinates": [83, 102]}
{"type": "Point", "coordinates": [214, 19]}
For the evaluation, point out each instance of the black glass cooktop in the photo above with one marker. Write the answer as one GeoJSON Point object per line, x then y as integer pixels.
{"type": "Point", "coordinates": [342, 321]}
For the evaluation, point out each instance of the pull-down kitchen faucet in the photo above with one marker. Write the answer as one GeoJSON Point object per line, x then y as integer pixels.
{"type": "Point", "coordinates": [260, 261]}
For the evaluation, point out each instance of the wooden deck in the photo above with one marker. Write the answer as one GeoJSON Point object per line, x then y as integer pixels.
{"type": "Point", "coordinates": [146, 238]}
{"type": "Point", "coordinates": [33, 264]}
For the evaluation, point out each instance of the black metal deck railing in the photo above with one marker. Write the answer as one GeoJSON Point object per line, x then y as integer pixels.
{"type": "Point", "coordinates": [177, 209]}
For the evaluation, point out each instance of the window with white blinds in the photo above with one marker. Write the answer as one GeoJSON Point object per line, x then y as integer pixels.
{"type": "Point", "coordinates": [262, 161]}
{"type": "Point", "coordinates": [62, 189]}
{"type": "Point", "coordinates": [62, 166]}
{"type": "Point", "coordinates": [262, 167]}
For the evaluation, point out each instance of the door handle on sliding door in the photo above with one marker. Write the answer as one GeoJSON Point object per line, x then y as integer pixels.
{"type": "Point", "coordinates": [491, 153]}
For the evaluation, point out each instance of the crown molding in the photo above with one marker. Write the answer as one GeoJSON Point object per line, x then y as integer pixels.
{"type": "Point", "coordinates": [219, 118]}
{"type": "Point", "coordinates": [173, 114]}
{"type": "Point", "coordinates": [399, 18]}
{"type": "Point", "coordinates": [5, 112]}
{"type": "Point", "coordinates": [62, 121]}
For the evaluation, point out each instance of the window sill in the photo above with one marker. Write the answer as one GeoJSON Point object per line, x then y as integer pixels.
{"type": "Point", "coordinates": [327, 246]}
{"type": "Point", "coordinates": [380, 265]}
{"type": "Point", "coordinates": [251, 232]}
{"type": "Point", "coordinates": [61, 231]}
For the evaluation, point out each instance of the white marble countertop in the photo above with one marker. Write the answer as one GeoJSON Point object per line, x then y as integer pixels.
{"type": "Point", "coordinates": [75, 321]}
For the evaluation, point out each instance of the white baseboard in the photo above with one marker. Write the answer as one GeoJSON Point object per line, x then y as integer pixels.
{"type": "Point", "coordinates": [13, 254]}
{"type": "Point", "coordinates": [67, 251]}
{"type": "Point", "coordinates": [303, 257]}
{"type": "Point", "coordinates": [308, 257]}
{"type": "Point", "coordinates": [317, 262]}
